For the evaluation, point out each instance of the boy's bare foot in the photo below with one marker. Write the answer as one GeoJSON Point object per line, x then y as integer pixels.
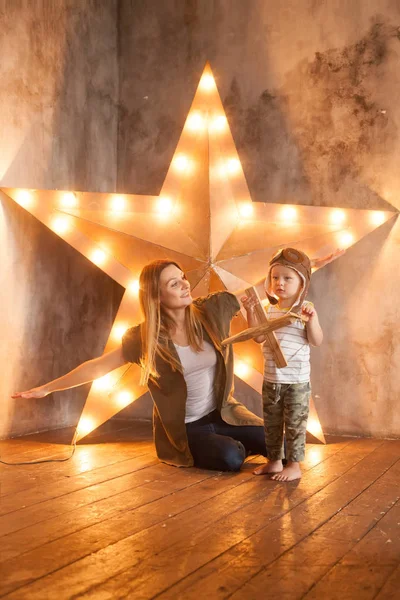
{"type": "Point", "coordinates": [272, 466]}
{"type": "Point", "coordinates": [291, 472]}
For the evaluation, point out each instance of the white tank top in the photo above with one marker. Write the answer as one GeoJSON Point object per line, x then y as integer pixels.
{"type": "Point", "coordinates": [199, 374]}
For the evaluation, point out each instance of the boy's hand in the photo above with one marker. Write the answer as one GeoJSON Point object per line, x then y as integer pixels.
{"type": "Point", "coordinates": [309, 311]}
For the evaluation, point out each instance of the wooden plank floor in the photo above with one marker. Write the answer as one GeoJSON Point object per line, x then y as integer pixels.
{"type": "Point", "coordinates": [113, 522]}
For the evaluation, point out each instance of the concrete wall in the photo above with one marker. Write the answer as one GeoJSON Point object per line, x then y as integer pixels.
{"type": "Point", "coordinates": [58, 123]}
{"type": "Point", "coordinates": [310, 88]}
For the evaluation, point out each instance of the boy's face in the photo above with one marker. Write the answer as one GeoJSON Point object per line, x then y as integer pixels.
{"type": "Point", "coordinates": [286, 283]}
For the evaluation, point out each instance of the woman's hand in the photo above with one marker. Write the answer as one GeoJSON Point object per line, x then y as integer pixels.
{"type": "Point", "coordinates": [37, 392]}
{"type": "Point", "coordinates": [317, 263]}
{"type": "Point", "coordinates": [248, 304]}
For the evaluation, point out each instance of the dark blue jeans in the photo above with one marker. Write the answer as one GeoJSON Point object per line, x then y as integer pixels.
{"type": "Point", "coordinates": [216, 445]}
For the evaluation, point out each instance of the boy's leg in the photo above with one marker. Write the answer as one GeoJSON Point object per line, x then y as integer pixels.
{"type": "Point", "coordinates": [273, 427]}
{"type": "Point", "coordinates": [296, 407]}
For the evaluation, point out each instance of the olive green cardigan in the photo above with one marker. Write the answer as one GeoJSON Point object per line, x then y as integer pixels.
{"type": "Point", "coordinates": [170, 392]}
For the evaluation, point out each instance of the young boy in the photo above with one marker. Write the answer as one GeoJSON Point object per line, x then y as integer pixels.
{"type": "Point", "coordinates": [286, 391]}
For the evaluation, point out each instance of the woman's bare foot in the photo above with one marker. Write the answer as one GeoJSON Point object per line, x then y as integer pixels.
{"type": "Point", "coordinates": [291, 472]}
{"type": "Point", "coordinates": [272, 466]}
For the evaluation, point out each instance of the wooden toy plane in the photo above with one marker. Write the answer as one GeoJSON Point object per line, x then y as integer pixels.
{"type": "Point", "coordinates": [266, 328]}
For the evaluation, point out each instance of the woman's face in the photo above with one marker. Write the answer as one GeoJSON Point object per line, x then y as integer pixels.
{"type": "Point", "coordinates": [174, 288]}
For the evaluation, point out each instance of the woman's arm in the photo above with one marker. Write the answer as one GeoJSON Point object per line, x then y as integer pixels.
{"type": "Point", "coordinates": [317, 263]}
{"type": "Point", "coordinates": [86, 372]}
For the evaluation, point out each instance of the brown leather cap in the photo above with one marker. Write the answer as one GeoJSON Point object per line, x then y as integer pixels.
{"type": "Point", "coordinates": [293, 259]}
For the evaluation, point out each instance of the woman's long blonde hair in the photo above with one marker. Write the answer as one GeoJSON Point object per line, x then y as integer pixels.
{"type": "Point", "coordinates": [157, 323]}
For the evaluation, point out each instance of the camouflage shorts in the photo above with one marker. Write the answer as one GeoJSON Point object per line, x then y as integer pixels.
{"type": "Point", "coordinates": [285, 407]}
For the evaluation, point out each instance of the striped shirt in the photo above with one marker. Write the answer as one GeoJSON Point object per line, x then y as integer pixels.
{"type": "Point", "coordinates": [295, 347]}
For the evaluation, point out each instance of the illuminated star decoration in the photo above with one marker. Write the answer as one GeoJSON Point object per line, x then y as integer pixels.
{"type": "Point", "coordinates": [205, 220]}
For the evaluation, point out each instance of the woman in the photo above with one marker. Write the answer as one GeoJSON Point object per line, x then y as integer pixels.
{"type": "Point", "coordinates": [189, 375]}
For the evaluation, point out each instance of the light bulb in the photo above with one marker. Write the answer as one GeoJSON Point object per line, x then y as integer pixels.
{"type": "Point", "coordinates": [164, 205]}
{"type": "Point", "coordinates": [97, 256]}
{"type": "Point", "coordinates": [133, 286]}
{"type": "Point", "coordinates": [118, 331]}
{"type": "Point", "coordinates": [24, 198]}
{"type": "Point", "coordinates": [219, 123]}
{"type": "Point", "coordinates": [233, 166]}
{"type": "Point", "coordinates": [207, 82]}
{"type": "Point", "coordinates": [85, 426]}
{"type": "Point", "coordinates": [377, 217]}
{"type": "Point", "coordinates": [314, 427]}
{"type": "Point", "coordinates": [69, 200]}
{"type": "Point", "coordinates": [60, 225]}
{"type": "Point", "coordinates": [124, 398]}
{"type": "Point", "coordinates": [181, 162]}
{"type": "Point", "coordinates": [346, 239]}
{"type": "Point", "coordinates": [241, 369]}
{"type": "Point", "coordinates": [118, 203]}
{"type": "Point", "coordinates": [246, 210]}
{"type": "Point", "coordinates": [103, 384]}
{"type": "Point", "coordinates": [338, 217]}
{"type": "Point", "coordinates": [288, 214]}
{"type": "Point", "coordinates": [195, 121]}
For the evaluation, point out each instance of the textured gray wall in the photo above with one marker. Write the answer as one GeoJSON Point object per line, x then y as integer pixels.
{"type": "Point", "coordinates": [311, 91]}
{"type": "Point", "coordinates": [58, 123]}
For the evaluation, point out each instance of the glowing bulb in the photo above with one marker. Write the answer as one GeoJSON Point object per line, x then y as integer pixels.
{"type": "Point", "coordinates": [103, 384]}
{"type": "Point", "coordinates": [314, 427]}
{"type": "Point", "coordinates": [233, 166]}
{"type": "Point", "coordinates": [181, 163]}
{"type": "Point", "coordinates": [60, 225]}
{"type": "Point", "coordinates": [242, 370]}
{"type": "Point", "coordinates": [124, 398]}
{"type": "Point", "coordinates": [118, 203]}
{"type": "Point", "coordinates": [219, 123]}
{"type": "Point", "coordinates": [133, 286]}
{"type": "Point", "coordinates": [377, 218]}
{"type": "Point", "coordinates": [118, 331]}
{"type": "Point", "coordinates": [69, 200]}
{"type": "Point", "coordinates": [85, 426]}
{"type": "Point", "coordinates": [164, 206]}
{"type": "Point", "coordinates": [289, 214]}
{"type": "Point", "coordinates": [222, 170]}
{"type": "Point", "coordinates": [246, 210]}
{"type": "Point", "coordinates": [195, 122]}
{"type": "Point", "coordinates": [338, 217]}
{"type": "Point", "coordinates": [207, 82]}
{"type": "Point", "coordinates": [98, 257]}
{"type": "Point", "coordinates": [346, 239]}
{"type": "Point", "coordinates": [24, 198]}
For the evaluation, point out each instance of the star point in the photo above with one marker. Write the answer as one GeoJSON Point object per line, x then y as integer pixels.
{"type": "Point", "coordinates": [204, 219]}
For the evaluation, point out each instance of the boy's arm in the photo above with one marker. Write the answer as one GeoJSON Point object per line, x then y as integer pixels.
{"type": "Point", "coordinates": [314, 332]}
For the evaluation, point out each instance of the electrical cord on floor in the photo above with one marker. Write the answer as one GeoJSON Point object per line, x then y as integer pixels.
{"type": "Point", "coordinates": [38, 462]}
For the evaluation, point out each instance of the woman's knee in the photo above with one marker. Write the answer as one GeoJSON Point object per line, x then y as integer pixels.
{"type": "Point", "coordinates": [232, 457]}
